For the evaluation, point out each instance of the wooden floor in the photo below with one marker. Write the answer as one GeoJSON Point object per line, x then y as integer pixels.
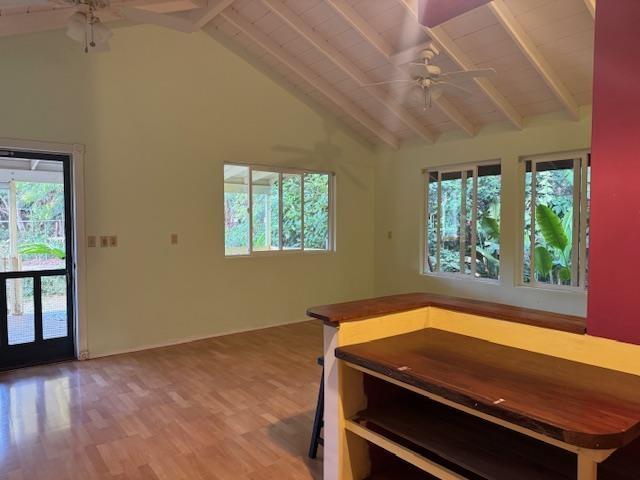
{"type": "Point", "coordinates": [238, 407]}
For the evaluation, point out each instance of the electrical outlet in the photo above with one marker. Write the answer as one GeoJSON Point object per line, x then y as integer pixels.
{"type": "Point", "coordinates": [174, 239]}
{"type": "Point", "coordinates": [104, 241]}
{"type": "Point", "coordinates": [92, 241]}
{"type": "Point", "coordinates": [113, 241]}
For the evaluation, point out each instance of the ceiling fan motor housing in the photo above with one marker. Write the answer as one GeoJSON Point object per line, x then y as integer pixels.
{"type": "Point", "coordinates": [425, 70]}
{"type": "Point", "coordinates": [429, 53]}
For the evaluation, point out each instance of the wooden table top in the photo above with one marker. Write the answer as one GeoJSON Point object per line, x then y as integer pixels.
{"type": "Point", "coordinates": [338, 313]}
{"type": "Point", "coordinates": [582, 405]}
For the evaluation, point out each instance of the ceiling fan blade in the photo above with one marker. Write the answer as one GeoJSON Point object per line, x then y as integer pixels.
{"type": "Point", "coordinates": [450, 89]}
{"type": "Point", "coordinates": [469, 74]}
{"type": "Point", "coordinates": [389, 82]}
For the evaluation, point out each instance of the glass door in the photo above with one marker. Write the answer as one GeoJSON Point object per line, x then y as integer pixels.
{"type": "Point", "coordinates": [36, 263]}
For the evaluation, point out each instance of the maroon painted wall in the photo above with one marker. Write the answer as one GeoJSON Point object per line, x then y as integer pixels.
{"type": "Point", "coordinates": [614, 256]}
{"type": "Point", "coordinates": [434, 12]}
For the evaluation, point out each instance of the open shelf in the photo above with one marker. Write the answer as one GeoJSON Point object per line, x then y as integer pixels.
{"type": "Point", "coordinates": [386, 466]}
{"type": "Point", "coordinates": [432, 436]}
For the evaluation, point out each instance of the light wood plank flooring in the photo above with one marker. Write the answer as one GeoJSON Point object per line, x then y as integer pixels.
{"type": "Point", "coordinates": [238, 407]}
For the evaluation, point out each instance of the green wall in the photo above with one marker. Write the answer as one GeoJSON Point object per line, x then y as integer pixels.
{"type": "Point", "coordinates": [159, 115]}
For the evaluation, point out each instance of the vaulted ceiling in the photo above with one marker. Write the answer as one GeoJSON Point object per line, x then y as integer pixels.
{"type": "Point", "coordinates": [330, 50]}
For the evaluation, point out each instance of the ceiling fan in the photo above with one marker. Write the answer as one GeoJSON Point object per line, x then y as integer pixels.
{"type": "Point", "coordinates": [433, 81]}
{"type": "Point", "coordinates": [85, 26]}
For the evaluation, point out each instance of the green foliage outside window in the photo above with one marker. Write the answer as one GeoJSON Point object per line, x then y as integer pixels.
{"type": "Point", "coordinates": [41, 230]}
{"type": "Point", "coordinates": [266, 219]}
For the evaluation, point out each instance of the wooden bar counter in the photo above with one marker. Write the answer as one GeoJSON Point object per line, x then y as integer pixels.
{"type": "Point", "coordinates": [428, 386]}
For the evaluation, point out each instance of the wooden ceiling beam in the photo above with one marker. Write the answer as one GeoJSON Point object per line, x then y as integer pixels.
{"type": "Point", "coordinates": [43, 20]}
{"type": "Point", "coordinates": [366, 31]}
{"type": "Point", "coordinates": [205, 15]}
{"type": "Point", "coordinates": [348, 67]}
{"type": "Point", "coordinates": [370, 35]}
{"type": "Point", "coordinates": [528, 48]}
{"type": "Point", "coordinates": [172, 21]}
{"type": "Point", "coordinates": [186, 22]}
{"type": "Point", "coordinates": [455, 53]}
{"type": "Point", "coordinates": [331, 93]}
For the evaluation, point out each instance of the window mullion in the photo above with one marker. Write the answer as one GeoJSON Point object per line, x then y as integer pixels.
{"type": "Point", "coordinates": [439, 220]}
{"type": "Point", "coordinates": [302, 211]}
{"type": "Point", "coordinates": [532, 242]}
{"type": "Point", "coordinates": [425, 230]}
{"type": "Point", "coordinates": [575, 233]}
{"type": "Point", "coordinates": [584, 168]}
{"type": "Point", "coordinates": [474, 222]}
{"type": "Point", "coordinates": [330, 212]}
{"type": "Point", "coordinates": [280, 235]}
{"type": "Point", "coordinates": [463, 220]}
{"type": "Point", "coordinates": [250, 210]}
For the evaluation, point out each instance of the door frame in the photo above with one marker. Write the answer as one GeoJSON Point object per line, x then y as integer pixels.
{"type": "Point", "coordinates": [76, 153]}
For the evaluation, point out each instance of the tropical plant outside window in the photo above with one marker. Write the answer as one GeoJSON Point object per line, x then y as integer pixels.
{"type": "Point", "coordinates": [463, 221]}
{"type": "Point", "coordinates": [34, 239]}
{"type": "Point", "coordinates": [557, 199]}
{"type": "Point", "coordinates": [284, 210]}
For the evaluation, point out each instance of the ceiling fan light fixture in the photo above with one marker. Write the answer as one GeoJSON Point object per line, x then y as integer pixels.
{"type": "Point", "coordinates": [101, 33]}
{"type": "Point", "coordinates": [77, 27]}
{"type": "Point", "coordinates": [86, 28]}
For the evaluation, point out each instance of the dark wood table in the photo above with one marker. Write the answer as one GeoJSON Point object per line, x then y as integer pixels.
{"type": "Point", "coordinates": [573, 404]}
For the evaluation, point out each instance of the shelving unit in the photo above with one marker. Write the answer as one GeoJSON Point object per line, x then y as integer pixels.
{"type": "Point", "coordinates": [451, 444]}
{"type": "Point", "coordinates": [460, 408]}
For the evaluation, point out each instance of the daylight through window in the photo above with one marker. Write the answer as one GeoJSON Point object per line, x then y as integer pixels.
{"type": "Point", "coordinates": [273, 210]}
{"type": "Point", "coordinates": [463, 221]}
{"type": "Point", "coordinates": [556, 196]}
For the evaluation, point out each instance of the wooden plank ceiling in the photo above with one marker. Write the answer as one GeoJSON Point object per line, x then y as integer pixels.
{"type": "Point", "coordinates": [329, 50]}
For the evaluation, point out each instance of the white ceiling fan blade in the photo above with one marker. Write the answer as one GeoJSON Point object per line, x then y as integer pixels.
{"type": "Point", "coordinates": [450, 89]}
{"type": "Point", "coordinates": [418, 69]}
{"type": "Point", "coordinates": [469, 74]}
{"type": "Point", "coordinates": [389, 82]}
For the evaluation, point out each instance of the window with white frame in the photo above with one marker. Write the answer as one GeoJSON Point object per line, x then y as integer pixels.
{"type": "Point", "coordinates": [275, 210]}
{"type": "Point", "coordinates": [556, 220]}
{"type": "Point", "coordinates": [462, 234]}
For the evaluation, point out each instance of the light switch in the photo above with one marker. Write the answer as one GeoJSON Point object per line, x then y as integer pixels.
{"type": "Point", "coordinates": [92, 241]}
{"type": "Point", "coordinates": [113, 241]}
{"type": "Point", "coordinates": [389, 234]}
{"type": "Point", "coordinates": [104, 241]}
{"type": "Point", "coordinates": [174, 239]}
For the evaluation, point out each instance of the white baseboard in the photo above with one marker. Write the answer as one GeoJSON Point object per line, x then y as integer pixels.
{"type": "Point", "coordinates": [181, 341]}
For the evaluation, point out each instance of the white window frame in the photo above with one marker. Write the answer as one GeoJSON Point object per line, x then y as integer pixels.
{"type": "Point", "coordinates": [463, 168]}
{"type": "Point", "coordinates": [331, 247]}
{"type": "Point", "coordinates": [578, 250]}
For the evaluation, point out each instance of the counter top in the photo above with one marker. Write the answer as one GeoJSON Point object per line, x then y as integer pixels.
{"type": "Point", "coordinates": [338, 313]}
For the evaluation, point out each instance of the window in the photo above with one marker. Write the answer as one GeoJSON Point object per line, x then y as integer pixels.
{"type": "Point", "coordinates": [276, 210]}
{"type": "Point", "coordinates": [556, 243]}
{"type": "Point", "coordinates": [463, 221]}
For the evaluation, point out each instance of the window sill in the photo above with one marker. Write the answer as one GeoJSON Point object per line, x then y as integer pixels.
{"type": "Point", "coordinates": [554, 289]}
{"type": "Point", "coordinates": [281, 253]}
{"type": "Point", "coordinates": [462, 278]}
